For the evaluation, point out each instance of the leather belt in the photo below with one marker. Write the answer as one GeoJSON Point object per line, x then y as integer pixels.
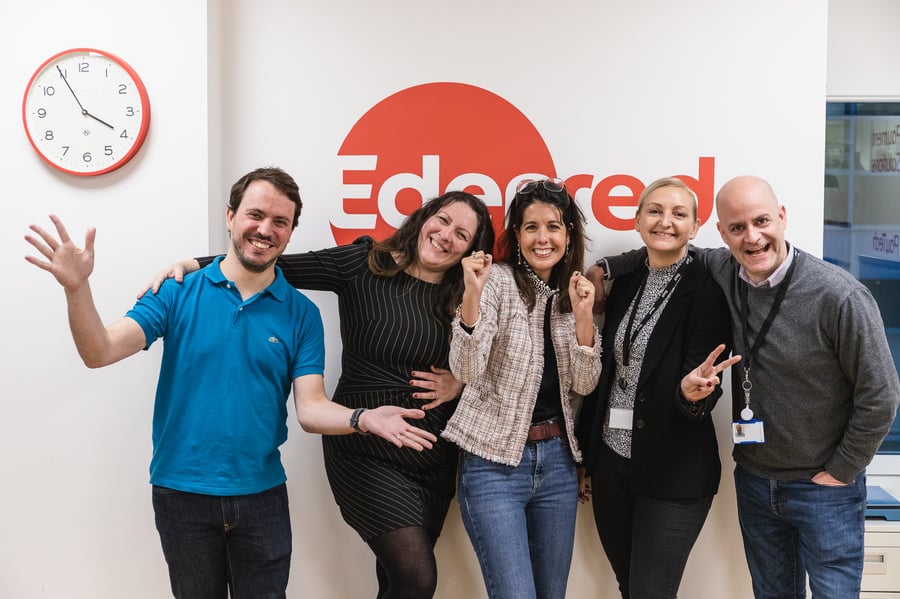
{"type": "Point", "coordinates": [542, 431]}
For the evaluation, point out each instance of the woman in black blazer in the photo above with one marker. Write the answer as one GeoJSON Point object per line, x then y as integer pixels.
{"type": "Point", "coordinates": [651, 452]}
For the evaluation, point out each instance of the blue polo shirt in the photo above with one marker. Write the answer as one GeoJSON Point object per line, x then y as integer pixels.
{"type": "Point", "coordinates": [227, 369]}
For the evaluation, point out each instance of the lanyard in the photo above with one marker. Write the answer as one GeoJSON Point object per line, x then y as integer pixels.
{"type": "Point", "coordinates": [630, 336]}
{"type": "Point", "coordinates": [750, 351]}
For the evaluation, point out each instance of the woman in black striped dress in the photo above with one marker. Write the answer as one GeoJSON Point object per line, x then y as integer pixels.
{"type": "Point", "coordinates": [396, 299]}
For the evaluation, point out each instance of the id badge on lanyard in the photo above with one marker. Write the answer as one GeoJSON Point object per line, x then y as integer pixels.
{"type": "Point", "coordinates": [749, 429]}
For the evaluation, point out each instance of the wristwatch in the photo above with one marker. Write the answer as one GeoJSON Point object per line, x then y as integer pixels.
{"type": "Point", "coordinates": [354, 420]}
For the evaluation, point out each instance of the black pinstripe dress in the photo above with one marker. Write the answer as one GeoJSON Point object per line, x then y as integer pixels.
{"type": "Point", "coordinates": [387, 331]}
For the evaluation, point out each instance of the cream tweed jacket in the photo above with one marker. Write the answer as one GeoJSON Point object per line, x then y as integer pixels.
{"type": "Point", "coordinates": [501, 363]}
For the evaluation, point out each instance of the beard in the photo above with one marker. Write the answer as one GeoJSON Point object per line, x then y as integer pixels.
{"type": "Point", "coordinates": [247, 263]}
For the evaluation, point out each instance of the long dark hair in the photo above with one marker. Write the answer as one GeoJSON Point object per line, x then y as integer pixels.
{"type": "Point", "coordinates": [573, 260]}
{"type": "Point", "coordinates": [394, 254]}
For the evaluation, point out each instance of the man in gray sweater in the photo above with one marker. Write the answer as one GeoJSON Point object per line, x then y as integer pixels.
{"type": "Point", "coordinates": [814, 394]}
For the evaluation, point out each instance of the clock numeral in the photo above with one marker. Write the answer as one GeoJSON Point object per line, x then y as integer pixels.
{"type": "Point", "coordinates": [41, 113]}
{"type": "Point", "coordinates": [107, 150]}
{"type": "Point", "coordinates": [123, 89]}
{"type": "Point", "coordinates": [129, 111]}
{"type": "Point", "coordinates": [84, 67]}
{"type": "Point", "coordinates": [49, 90]}
{"type": "Point", "coordinates": [63, 73]}
{"type": "Point", "coordinates": [48, 134]}
{"type": "Point", "coordinates": [124, 134]}
{"type": "Point", "coordinates": [65, 150]}
{"type": "Point", "coordinates": [86, 157]}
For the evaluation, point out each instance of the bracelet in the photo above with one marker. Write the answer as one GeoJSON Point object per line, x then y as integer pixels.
{"type": "Point", "coordinates": [693, 407]}
{"type": "Point", "coordinates": [354, 420]}
{"type": "Point", "coordinates": [465, 326]}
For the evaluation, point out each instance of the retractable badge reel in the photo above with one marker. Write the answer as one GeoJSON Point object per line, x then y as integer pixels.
{"type": "Point", "coordinates": [748, 429]}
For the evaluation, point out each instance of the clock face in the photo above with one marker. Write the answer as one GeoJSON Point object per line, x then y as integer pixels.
{"type": "Point", "coordinates": [86, 112]}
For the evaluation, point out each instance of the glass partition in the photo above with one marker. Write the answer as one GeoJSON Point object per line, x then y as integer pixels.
{"type": "Point", "coordinates": [862, 208]}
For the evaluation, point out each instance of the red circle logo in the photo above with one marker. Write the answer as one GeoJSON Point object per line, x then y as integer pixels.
{"type": "Point", "coordinates": [424, 140]}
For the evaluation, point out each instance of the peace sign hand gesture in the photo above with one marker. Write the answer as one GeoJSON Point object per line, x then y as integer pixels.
{"type": "Point", "coordinates": [700, 382]}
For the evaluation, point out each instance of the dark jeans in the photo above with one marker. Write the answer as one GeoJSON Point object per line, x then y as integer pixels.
{"type": "Point", "coordinates": [646, 539]}
{"type": "Point", "coordinates": [792, 528]}
{"type": "Point", "coordinates": [212, 543]}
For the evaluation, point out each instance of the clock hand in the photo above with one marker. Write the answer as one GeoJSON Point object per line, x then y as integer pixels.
{"type": "Point", "coordinates": [83, 110]}
{"type": "Point", "coordinates": [66, 81]}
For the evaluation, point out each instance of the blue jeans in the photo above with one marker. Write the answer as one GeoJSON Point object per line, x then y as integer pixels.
{"type": "Point", "coordinates": [792, 528]}
{"type": "Point", "coordinates": [212, 543]}
{"type": "Point", "coordinates": [521, 520]}
{"type": "Point", "coordinates": [646, 539]}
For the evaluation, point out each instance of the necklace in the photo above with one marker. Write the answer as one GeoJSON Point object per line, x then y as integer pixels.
{"type": "Point", "coordinates": [542, 288]}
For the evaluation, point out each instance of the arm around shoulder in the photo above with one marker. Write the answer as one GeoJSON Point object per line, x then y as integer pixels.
{"type": "Point", "coordinates": [622, 264]}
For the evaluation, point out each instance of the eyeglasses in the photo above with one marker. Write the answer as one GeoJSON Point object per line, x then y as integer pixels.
{"type": "Point", "coordinates": [553, 185]}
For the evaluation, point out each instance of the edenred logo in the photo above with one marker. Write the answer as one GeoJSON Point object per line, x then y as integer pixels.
{"type": "Point", "coordinates": [431, 138]}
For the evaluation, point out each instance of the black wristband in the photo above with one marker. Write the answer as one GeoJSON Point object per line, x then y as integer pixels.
{"type": "Point", "coordinates": [354, 420]}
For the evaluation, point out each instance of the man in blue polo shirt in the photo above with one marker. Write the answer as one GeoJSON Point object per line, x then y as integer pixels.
{"type": "Point", "coordinates": [238, 340]}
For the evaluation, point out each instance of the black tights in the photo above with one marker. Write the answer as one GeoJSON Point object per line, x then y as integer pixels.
{"type": "Point", "coordinates": [405, 564]}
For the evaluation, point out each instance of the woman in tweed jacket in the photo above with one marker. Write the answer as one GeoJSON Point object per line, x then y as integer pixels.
{"type": "Point", "coordinates": [527, 354]}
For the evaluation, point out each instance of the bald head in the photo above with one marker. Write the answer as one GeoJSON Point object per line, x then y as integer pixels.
{"type": "Point", "coordinates": [740, 189]}
{"type": "Point", "coordinates": [752, 223]}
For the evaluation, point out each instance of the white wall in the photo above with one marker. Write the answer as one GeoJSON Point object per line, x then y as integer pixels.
{"type": "Point", "coordinates": [862, 50]}
{"type": "Point", "coordinates": [643, 89]}
{"type": "Point", "coordinates": [75, 508]}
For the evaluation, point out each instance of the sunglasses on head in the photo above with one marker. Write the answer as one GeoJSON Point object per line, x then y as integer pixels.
{"type": "Point", "coordinates": [553, 185]}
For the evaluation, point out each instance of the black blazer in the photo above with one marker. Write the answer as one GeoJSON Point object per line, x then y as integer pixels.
{"type": "Point", "coordinates": [673, 454]}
